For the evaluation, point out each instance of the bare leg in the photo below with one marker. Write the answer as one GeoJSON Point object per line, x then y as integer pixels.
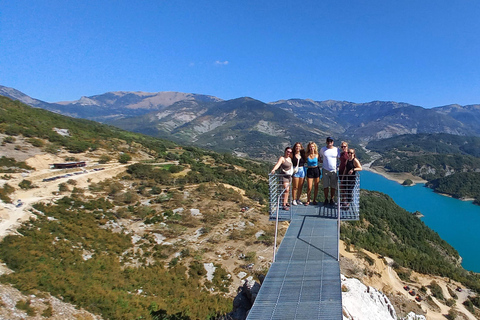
{"type": "Point", "coordinates": [285, 195]}
{"type": "Point", "coordinates": [309, 188]}
{"type": "Point", "coordinates": [315, 192]}
{"type": "Point", "coordinates": [300, 187]}
{"type": "Point", "coordinates": [295, 182]}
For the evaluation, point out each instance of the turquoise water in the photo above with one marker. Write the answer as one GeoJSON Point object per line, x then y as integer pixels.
{"type": "Point", "coordinates": [456, 221]}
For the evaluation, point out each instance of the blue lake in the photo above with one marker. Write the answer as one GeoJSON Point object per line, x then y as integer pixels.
{"type": "Point", "coordinates": [456, 221]}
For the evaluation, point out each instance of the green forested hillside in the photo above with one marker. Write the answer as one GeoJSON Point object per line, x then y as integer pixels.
{"type": "Point", "coordinates": [445, 157]}
{"type": "Point", "coordinates": [440, 143]}
{"type": "Point", "coordinates": [80, 249]}
{"type": "Point", "coordinates": [17, 118]}
{"type": "Point", "coordinates": [387, 229]}
{"type": "Point", "coordinates": [460, 185]}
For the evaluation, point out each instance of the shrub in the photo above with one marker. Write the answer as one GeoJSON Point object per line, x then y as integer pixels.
{"type": "Point", "coordinates": [104, 159]}
{"type": "Point", "coordinates": [26, 184]}
{"type": "Point", "coordinates": [450, 302]}
{"type": "Point", "coordinates": [196, 269]}
{"type": "Point", "coordinates": [36, 142]}
{"type": "Point", "coordinates": [9, 139]}
{"type": "Point", "coordinates": [48, 312]}
{"type": "Point", "coordinates": [25, 305]}
{"type": "Point", "coordinates": [124, 158]}
{"type": "Point", "coordinates": [436, 290]}
{"type": "Point", "coordinates": [250, 256]}
{"type": "Point", "coordinates": [5, 191]}
{"type": "Point", "coordinates": [62, 187]}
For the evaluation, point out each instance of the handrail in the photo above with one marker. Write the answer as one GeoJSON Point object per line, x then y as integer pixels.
{"type": "Point", "coordinates": [274, 186]}
{"type": "Point", "coordinates": [339, 202]}
{"type": "Point", "coordinates": [276, 225]}
{"type": "Point", "coordinates": [350, 194]}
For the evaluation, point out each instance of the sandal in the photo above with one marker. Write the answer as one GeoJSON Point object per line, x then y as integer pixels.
{"type": "Point", "coordinates": [314, 203]}
{"type": "Point", "coordinates": [285, 208]}
{"type": "Point", "coordinates": [306, 203]}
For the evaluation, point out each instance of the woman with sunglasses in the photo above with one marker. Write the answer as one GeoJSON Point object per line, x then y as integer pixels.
{"type": "Point", "coordinates": [343, 158]}
{"type": "Point", "coordinates": [285, 163]}
{"type": "Point", "coordinates": [351, 167]}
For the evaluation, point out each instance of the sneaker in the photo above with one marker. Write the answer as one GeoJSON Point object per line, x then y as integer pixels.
{"type": "Point", "coordinates": [294, 202]}
{"type": "Point", "coordinates": [325, 203]}
{"type": "Point", "coordinates": [332, 203]}
{"type": "Point", "coordinates": [299, 202]}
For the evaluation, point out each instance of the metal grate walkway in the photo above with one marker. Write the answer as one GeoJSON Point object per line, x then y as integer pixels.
{"type": "Point", "coordinates": [304, 280]}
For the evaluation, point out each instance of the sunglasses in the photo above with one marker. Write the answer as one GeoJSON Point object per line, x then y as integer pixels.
{"type": "Point", "coordinates": [351, 152]}
{"type": "Point", "coordinates": [344, 146]}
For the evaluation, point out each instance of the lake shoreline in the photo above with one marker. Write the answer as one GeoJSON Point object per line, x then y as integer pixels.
{"type": "Point", "coordinates": [399, 177]}
{"type": "Point", "coordinates": [436, 210]}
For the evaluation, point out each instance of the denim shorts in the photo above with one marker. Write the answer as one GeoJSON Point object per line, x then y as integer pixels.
{"type": "Point", "coordinates": [301, 172]}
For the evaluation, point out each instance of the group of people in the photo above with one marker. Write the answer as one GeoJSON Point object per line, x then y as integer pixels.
{"type": "Point", "coordinates": [297, 164]}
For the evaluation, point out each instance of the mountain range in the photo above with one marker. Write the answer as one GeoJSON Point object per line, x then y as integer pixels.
{"type": "Point", "coordinates": [249, 127]}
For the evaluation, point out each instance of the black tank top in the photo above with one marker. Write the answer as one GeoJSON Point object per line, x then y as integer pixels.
{"type": "Point", "coordinates": [349, 166]}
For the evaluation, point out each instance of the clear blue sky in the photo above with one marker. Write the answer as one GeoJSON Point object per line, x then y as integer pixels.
{"type": "Point", "coordinates": [426, 53]}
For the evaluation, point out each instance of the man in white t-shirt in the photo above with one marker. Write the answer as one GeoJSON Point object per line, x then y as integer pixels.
{"type": "Point", "coordinates": [329, 155]}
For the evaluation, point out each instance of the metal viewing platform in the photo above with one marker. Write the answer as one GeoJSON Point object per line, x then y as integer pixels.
{"type": "Point", "coordinates": [304, 279]}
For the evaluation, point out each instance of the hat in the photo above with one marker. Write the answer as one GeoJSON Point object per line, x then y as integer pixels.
{"type": "Point", "coordinates": [329, 139]}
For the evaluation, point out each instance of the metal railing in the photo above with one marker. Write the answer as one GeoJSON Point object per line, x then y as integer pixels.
{"type": "Point", "coordinates": [348, 201]}
{"type": "Point", "coordinates": [347, 209]}
{"type": "Point", "coordinates": [348, 196]}
{"type": "Point", "coordinates": [277, 191]}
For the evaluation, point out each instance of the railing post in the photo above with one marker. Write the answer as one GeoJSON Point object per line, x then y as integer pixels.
{"type": "Point", "coordinates": [339, 203]}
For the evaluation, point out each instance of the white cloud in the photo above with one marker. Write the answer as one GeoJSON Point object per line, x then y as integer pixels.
{"type": "Point", "coordinates": [221, 63]}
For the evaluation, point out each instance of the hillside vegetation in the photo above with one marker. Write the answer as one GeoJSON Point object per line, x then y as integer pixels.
{"type": "Point", "coordinates": [442, 159]}
{"type": "Point", "coordinates": [460, 185]}
{"type": "Point", "coordinates": [389, 230]}
{"type": "Point", "coordinates": [136, 246]}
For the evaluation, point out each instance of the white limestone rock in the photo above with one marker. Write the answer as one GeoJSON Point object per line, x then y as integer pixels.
{"type": "Point", "coordinates": [365, 303]}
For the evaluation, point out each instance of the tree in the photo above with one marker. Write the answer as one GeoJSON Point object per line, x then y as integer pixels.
{"type": "Point", "coordinates": [124, 158]}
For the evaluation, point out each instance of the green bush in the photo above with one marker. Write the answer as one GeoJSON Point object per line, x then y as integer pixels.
{"type": "Point", "coordinates": [9, 139]}
{"type": "Point", "coordinates": [5, 191]}
{"type": "Point", "coordinates": [26, 184]}
{"type": "Point", "coordinates": [26, 306]}
{"type": "Point", "coordinates": [104, 159]}
{"type": "Point", "coordinates": [124, 158]}
{"type": "Point", "coordinates": [436, 290]}
{"type": "Point", "coordinates": [36, 142]}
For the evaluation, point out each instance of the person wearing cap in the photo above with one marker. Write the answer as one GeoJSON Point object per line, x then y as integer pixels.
{"type": "Point", "coordinates": [329, 155]}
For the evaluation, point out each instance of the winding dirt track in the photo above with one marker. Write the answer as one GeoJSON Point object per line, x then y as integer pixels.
{"type": "Point", "coordinates": [12, 215]}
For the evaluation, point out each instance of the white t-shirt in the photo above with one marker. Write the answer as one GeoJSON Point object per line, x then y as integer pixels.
{"type": "Point", "coordinates": [329, 157]}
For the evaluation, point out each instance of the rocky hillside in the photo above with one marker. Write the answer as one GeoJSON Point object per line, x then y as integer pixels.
{"type": "Point", "coordinates": [149, 228]}
{"type": "Point", "coordinates": [245, 125]}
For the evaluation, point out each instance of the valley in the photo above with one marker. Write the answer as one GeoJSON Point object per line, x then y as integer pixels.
{"type": "Point", "coordinates": [158, 210]}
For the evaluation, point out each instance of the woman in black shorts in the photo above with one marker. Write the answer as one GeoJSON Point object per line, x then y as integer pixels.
{"type": "Point", "coordinates": [313, 172]}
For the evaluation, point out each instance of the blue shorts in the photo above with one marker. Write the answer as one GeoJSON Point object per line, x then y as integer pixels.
{"type": "Point", "coordinates": [301, 172]}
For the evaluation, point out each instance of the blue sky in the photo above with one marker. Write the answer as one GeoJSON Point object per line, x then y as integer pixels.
{"type": "Point", "coordinates": [426, 53]}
